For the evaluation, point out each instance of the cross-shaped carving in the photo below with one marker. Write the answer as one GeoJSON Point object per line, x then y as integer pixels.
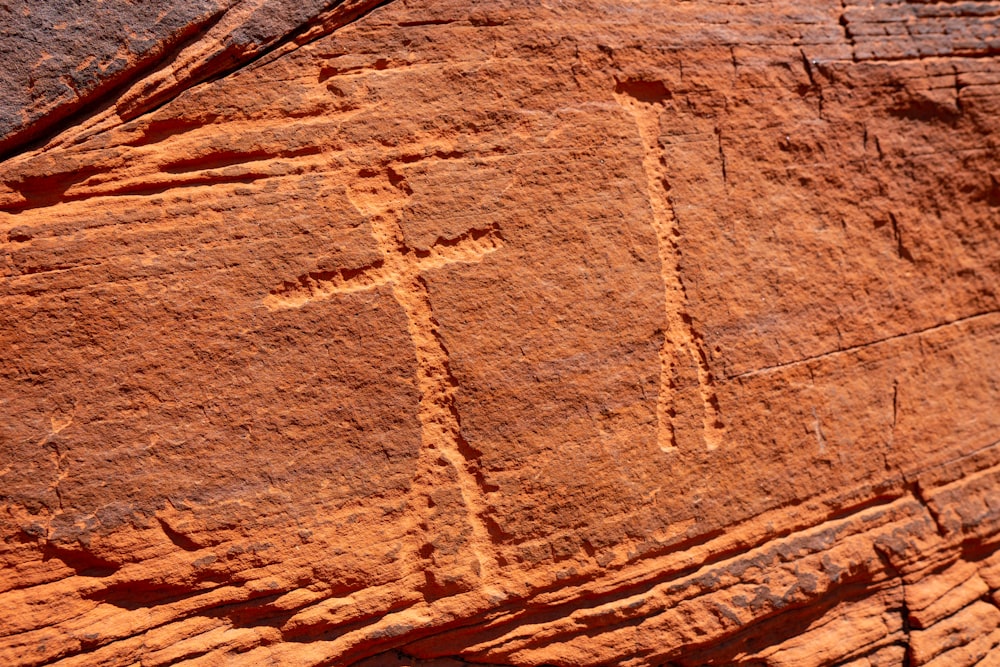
{"type": "Point", "coordinates": [402, 267]}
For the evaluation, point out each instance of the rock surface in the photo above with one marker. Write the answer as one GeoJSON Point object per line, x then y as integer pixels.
{"type": "Point", "coordinates": [508, 333]}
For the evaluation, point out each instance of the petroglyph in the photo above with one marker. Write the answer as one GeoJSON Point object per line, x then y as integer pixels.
{"type": "Point", "coordinates": [380, 198]}
{"type": "Point", "coordinates": [682, 345]}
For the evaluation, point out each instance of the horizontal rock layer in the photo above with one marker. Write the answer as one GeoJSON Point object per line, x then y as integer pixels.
{"type": "Point", "coordinates": [500, 333]}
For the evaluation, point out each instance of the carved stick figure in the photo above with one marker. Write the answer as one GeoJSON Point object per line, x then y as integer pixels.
{"type": "Point", "coordinates": [402, 267]}
{"type": "Point", "coordinates": [644, 102]}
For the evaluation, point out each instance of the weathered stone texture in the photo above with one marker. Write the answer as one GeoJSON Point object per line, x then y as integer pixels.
{"type": "Point", "coordinates": [508, 333]}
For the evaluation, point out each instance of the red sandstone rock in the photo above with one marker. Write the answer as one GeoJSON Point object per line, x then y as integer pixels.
{"type": "Point", "coordinates": [502, 333]}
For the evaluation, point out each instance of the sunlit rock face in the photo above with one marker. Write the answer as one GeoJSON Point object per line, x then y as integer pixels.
{"type": "Point", "coordinates": [507, 333]}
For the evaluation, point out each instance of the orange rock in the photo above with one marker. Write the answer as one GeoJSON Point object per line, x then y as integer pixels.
{"type": "Point", "coordinates": [506, 333]}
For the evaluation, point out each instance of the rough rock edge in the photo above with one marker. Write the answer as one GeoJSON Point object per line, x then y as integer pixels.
{"type": "Point", "coordinates": [202, 51]}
